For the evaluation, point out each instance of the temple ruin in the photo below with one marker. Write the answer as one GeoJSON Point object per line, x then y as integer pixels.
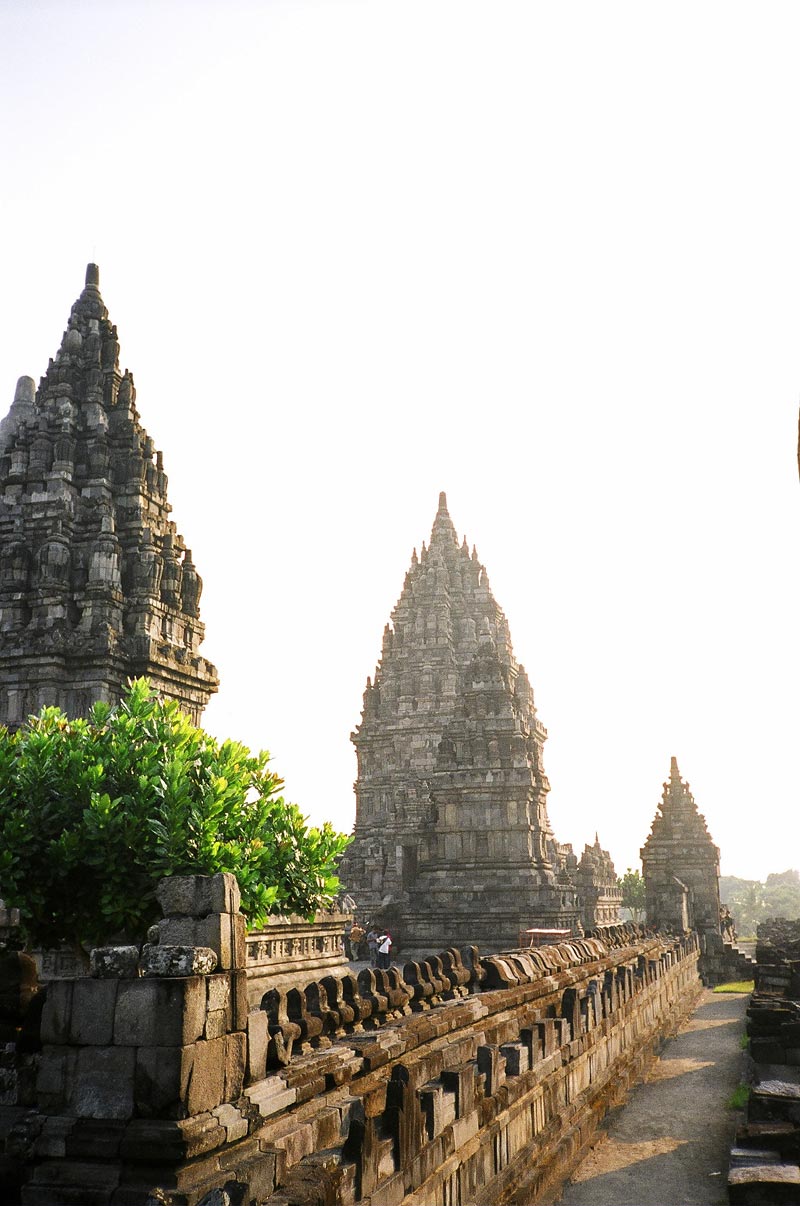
{"type": "Point", "coordinates": [96, 584]}
{"type": "Point", "coordinates": [452, 841]}
{"type": "Point", "coordinates": [681, 864]}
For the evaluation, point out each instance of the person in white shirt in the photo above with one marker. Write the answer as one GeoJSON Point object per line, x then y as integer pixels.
{"type": "Point", "coordinates": [384, 947]}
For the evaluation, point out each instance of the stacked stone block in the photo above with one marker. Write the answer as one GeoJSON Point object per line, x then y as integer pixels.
{"type": "Point", "coordinates": [765, 1163]}
{"type": "Point", "coordinates": [141, 1062]}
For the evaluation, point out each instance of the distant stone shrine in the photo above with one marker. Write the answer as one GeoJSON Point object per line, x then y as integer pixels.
{"type": "Point", "coordinates": [96, 584]}
{"type": "Point", "coordinates": [681, 866]}
{"type": "Point", "coordinates": [452, 841]}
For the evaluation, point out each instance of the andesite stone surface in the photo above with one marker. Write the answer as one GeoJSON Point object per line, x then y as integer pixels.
{"type": "Point", "coordinates": [681, 864]}
{"type": "Point", "coordinates": [452, 840]}
{"type": "Point", "coordinates": [96, 584]}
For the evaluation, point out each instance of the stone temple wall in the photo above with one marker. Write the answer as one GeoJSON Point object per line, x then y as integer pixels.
{"type": "Point", "coordinates": [459, 1078]}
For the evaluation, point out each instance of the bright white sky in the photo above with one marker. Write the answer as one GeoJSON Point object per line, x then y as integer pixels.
{"type": "Point", "coordinates": [545, 257]}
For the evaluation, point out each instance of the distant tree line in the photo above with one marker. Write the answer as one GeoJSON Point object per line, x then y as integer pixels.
{"type": "Point", "coordinates": [751, 901]}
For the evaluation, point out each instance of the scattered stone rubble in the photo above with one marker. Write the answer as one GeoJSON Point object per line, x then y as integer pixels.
{"type": "Point", "coordinates": [96, 584]}
{"type": "Point", "coordinates": [765, 1163]}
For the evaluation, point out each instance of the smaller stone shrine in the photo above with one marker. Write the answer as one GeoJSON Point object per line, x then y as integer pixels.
{"type": "Point", "coordinates": [96, 584]}
{"type": "Point", "coordinates": [681, 865]}
{"type": "Point", "coordinates": [601, 897]}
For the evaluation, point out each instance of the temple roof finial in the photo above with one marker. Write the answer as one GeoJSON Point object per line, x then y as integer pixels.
{"type": "Point", "coordinates": [443, 532]}
{"type": "Point", "coordinates": [92, 276]}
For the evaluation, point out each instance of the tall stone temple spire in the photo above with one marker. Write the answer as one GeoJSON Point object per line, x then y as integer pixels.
{"type": "Point", "coordinates": [681, 865]}
{"type": "Point", "coordinates": [452, 841]}
{"type": "Point", "coordinates": [96, 584]}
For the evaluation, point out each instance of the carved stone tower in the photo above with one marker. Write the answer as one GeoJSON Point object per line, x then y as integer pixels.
{"type": "Point", "coordinates": [96, 585]}
{"type": "Point", "coordinates": [681, 865]}
{"type": "Point", "coordinates": [452, 840]}
{"type": "Point", "coordinates": [597, 882]}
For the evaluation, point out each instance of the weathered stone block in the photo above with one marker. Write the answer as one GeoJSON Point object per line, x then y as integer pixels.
{"type": "Point", "coordinates": [159, 1013]}
{"type": "Point", "coordinates": [206, 1081]}
{"type": "Point", "coordinates": [164, 960]}
{"type": "Point", "coordinates": [76, 1175]}
{"type": "Point", "coordinates": [235, 1064]}
{"type": "Point", "coordinates": [298, 1143]}
{"type": "Point", "coordinates": [271, 1096]}
{"type": "Point", "coordinates": [234, 1122]}
{"type": "Point", "coordinates": [257, 1043]}
{"type": "Point", "coordinates": [200, 1134]}
{"type": "Point", "coordinates": [92, 1016]}
{"type": "Point", "coordinates": [103, 1083]}
{"type": "Point", "coordinates": [178, 931]}
{"type": "Point", "coordinates": [517, 1058]}
{"type": "Point", "coordinates": [215, 1024]}
{"type": "Point", "coordinates": [492, 1064]}
{"type": "Point", "coordinates": [758, 1184]}
{"type": "Point", "coordinates": [57, 1012]}
{"type": "Point", "coordinates": [218, 992]}
{"type": "Point", "coordinates": [114, 962]}
{"type": "Point", "coordinates": [198, 895]}
{"type": "Point", "coordinates": [96, 1139]}
{"type": "Point", "coordinates": [158, 1081]}
{"type": "Point", "coordinates": [223, 933]}
{"type": "Point", "coordinates": [55, 1074]}
{"type": "Point", "coordinates": [52, 1139]}
{"type": "Point", "coordinates": [262, 1174]}
{"type": "Point", "coordinates": [239, 998]}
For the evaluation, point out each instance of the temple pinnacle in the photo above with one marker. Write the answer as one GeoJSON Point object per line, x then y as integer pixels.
{"type": "Point", "coordinates": [92, 276]}
{"type": "Point", "coordinates": [443, 530]}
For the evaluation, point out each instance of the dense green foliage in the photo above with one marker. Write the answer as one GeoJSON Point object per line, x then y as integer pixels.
{"type": "Point", "coordinates": [633, 893]}
{"type": "Point", "coordinates": [751, 901]}
{"type": "Point", "coordinates": [94, 812]}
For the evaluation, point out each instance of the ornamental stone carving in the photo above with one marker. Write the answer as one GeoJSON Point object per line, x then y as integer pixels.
{"type": "Point", "coordinates": [96, 585]}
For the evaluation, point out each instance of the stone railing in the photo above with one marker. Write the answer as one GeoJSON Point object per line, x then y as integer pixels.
{"type": "Point", "coordinates": [289, 950]}
{"type": "Point", "coordinates": [457, 1078]}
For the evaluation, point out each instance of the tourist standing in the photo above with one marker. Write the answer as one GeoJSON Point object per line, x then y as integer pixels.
{"type": "Point", "coordinates": [372, 947]}
{"type": "Point", "coordinates": [356, 936]}
{"type": "Point", "coordinates": [384, 949]}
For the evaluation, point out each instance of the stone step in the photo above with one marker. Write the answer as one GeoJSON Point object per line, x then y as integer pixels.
{"type": "Point", "coordinates": [742, 1156]}
{"type": "Point", "coordinates": [764, 1185]}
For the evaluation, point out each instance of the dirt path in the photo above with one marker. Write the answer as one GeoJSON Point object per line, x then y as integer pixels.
{"type": "Point", "coordinates": [669, 1145]}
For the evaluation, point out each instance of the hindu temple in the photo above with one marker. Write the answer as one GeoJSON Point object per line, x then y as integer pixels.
{"type": "Point", "coordinates": [96, 583]}
{"type": "Point", "coordinates": [452, 840]}
{"type": "Point", "coordinates": [681, 864]}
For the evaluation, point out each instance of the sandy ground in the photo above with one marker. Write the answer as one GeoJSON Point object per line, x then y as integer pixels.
{"type": "Point", "coordinates": [669, 1145]}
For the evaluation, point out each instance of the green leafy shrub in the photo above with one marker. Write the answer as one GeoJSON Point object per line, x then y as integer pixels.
{"type": "Point", "coordinates": [94, 812]}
